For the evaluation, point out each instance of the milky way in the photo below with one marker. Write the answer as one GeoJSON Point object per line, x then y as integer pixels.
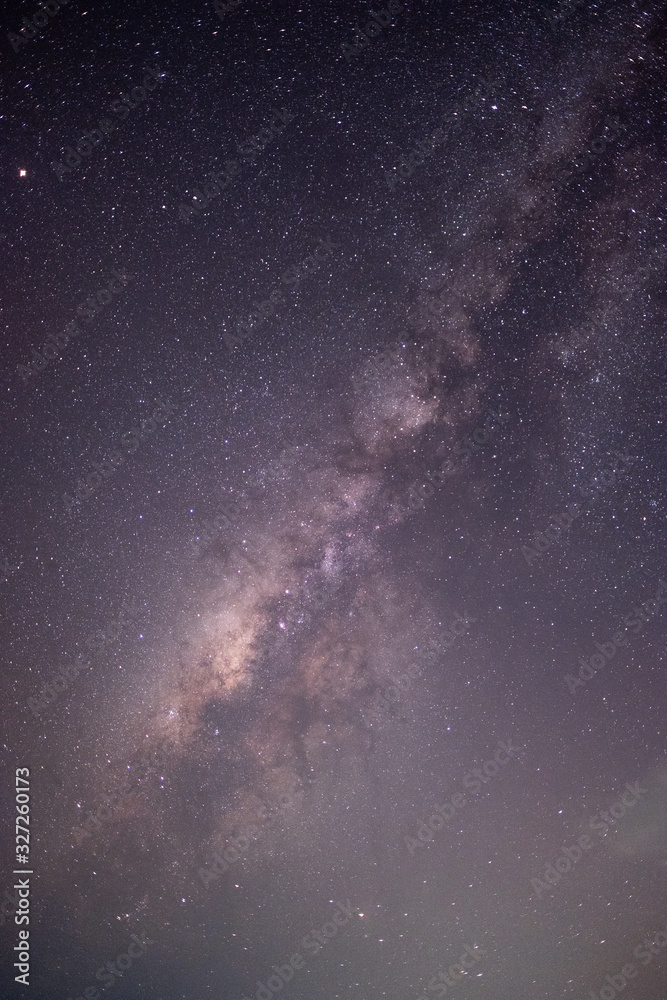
{"type": "Point", "coordinates": [402, 497]}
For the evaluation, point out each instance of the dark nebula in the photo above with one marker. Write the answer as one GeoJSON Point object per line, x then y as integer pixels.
{"type": "Point", "coordinates": [334, 507]}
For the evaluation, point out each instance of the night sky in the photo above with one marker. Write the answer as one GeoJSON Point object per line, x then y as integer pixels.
{"type": "Point", "coordinates": [333, 548]}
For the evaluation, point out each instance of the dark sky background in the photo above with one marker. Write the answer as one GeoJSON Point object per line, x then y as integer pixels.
{"type": "Point", "coordinates": [259, 559]}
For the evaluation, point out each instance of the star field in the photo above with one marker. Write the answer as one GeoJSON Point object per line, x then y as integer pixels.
{"type": "Point", "coordinates": [333, 521]}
